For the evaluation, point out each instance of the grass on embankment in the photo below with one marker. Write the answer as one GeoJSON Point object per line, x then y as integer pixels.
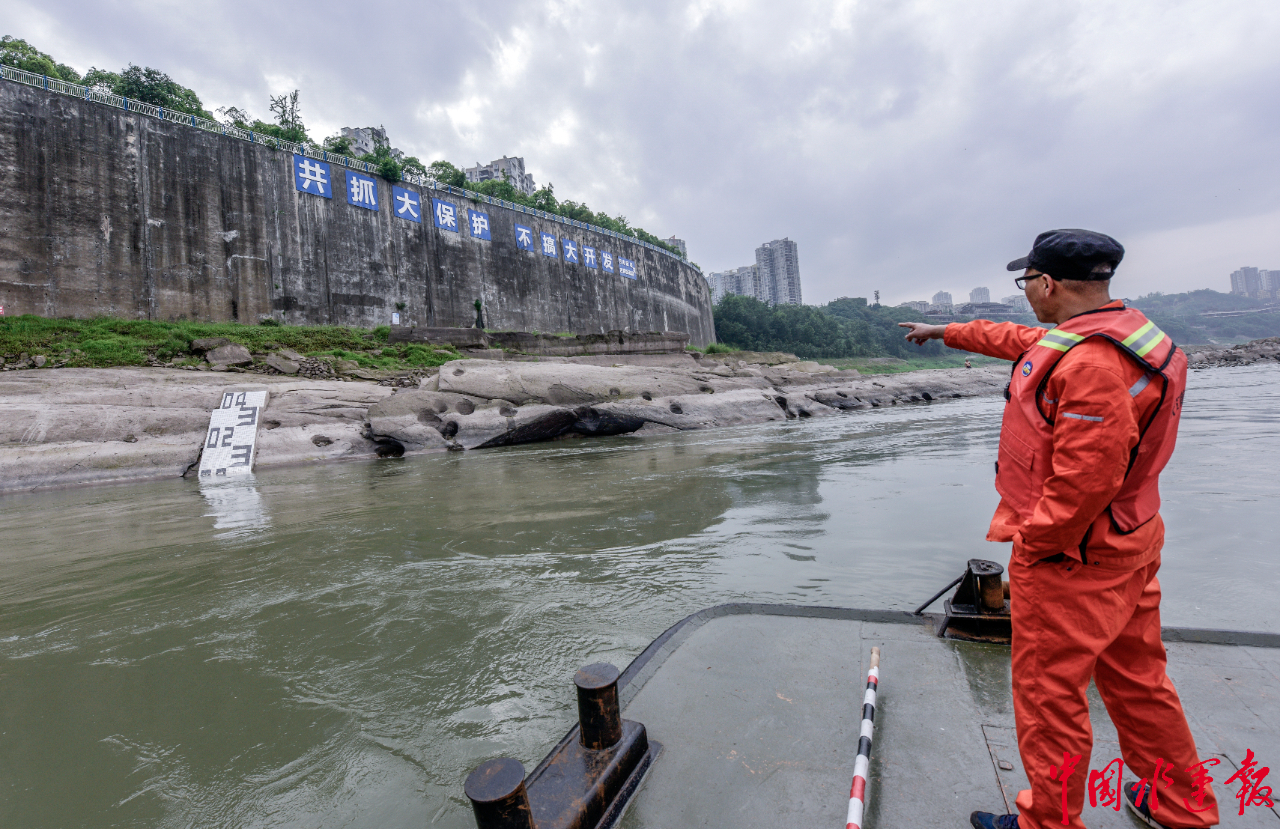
{"type": "Point", "coordinates": [104, 342]}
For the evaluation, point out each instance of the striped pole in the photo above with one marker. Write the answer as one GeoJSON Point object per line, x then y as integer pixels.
{"type": "Point", "coordinates": [858, 793]}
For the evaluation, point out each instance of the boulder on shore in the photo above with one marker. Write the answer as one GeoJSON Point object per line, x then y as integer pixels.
{"type": "Point", "coordinates": [231, 354]}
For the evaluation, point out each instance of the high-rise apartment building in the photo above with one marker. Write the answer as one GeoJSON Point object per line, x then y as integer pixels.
{"type": "Point", "coordinates": [1245, 282]}
{"type": "Point", "coordinates": [678, 244]}
{"type": "Point", "coordinates": [779, 265]}
{"type": "Point", "coordinates": [1269, 284]}
{"type": "Point", "coordinates": [744, 281]}
{"type": "Point", "coordinates": [1018, 302]}
{"type": "Point", "coordinates": [774, 278]}
{"type": "Point", "coordinates": [979, 295]}
{"type": "Point", "coordinates": [513, 168]}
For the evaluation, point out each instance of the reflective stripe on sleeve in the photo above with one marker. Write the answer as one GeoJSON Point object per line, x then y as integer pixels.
{"type": "Point", "coordinates": [1136, 388]}
{"type": "Point", "coordinates": [1060, 340]}
{"type": "Point", "coordinates": [1075, 416]}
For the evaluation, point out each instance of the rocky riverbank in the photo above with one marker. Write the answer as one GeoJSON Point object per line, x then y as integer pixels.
{"type": "Point", "coordinates": [79, 426]}
{"type": "Point", "coordinates": [1256, 351]}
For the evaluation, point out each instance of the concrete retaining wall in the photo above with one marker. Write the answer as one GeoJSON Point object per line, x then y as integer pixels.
{"type": "Point", "coordinates": [107, 212]}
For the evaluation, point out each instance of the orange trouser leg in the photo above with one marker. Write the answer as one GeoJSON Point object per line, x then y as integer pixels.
{"type": "Point", "coordinates": [1148, 715]}
{"type": "Point", "coordinates": [1069, 619]}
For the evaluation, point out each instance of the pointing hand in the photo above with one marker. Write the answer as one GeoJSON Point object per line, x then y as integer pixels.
{"type": "Point", "coordinates": [921, 332]}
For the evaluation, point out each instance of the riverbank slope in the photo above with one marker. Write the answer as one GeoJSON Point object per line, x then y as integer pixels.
{"type": "Point", "coordinates": [81, 426]}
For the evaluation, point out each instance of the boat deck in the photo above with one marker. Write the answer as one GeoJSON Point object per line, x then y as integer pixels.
{"type": "Point", "coordinates": [758, 710]}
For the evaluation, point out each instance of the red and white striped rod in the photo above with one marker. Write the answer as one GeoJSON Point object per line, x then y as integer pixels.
{"type": "Point", "coordinates": [858, 793]}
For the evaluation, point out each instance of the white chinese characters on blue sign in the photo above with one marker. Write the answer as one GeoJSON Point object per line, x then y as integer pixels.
{"type": "Point", "coordinates": [627, 268]}
{"type": "Point", "coordinates": [311, 176]}
{"type": "Point", "coordinates": [479, 225]}
{"type": "Point", "coordinates": [589, 256]}
{"type": "Point", "coordinates": [570, 250]}
{"type": "Point", "coordinates": [606, 261]}
{"type": "Point", "coordinates": [446, 215]}
{"type": "Point", "coordinates": [406, 204]}
{"type": "Point", "coordinates": [524, 237]}
{"type": "Point", "coordinates": [549, 245]}
{"type": "Point", "coordinates": [362, 191]}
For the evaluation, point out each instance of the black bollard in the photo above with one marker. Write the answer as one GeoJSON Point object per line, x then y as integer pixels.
{"type": "Point", "coordinates": [599, 716]}
{"type": "Point", "coordinates": [498, 797]}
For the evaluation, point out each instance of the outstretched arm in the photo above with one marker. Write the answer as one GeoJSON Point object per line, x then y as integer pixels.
{"type": "Point", "coordinates": [1005, 340]}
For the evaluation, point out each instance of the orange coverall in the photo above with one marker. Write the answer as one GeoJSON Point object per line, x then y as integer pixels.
{"type": "Point", "coordinates": [1073, 622]}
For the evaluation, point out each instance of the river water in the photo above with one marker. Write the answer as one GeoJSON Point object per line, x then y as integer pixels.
{"type": "Point", "coordinates": [337, 646]}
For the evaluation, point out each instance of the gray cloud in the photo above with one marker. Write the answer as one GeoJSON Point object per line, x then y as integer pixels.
{"type": "Point", "coordinates": [906, 146]}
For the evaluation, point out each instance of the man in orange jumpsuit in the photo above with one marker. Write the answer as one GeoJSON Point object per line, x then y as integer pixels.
{"type": "Point", "coordinates": [1091, 419]}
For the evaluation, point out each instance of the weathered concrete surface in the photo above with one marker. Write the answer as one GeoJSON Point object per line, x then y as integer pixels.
{"type": "Point", "coordinates": [759, 718]}
{"type": "Point", "coordinates": [77, 426]}
{"type": "Point", "coordinates": [71, 426]}
{"type": "Point", "coordinates": [108, 212]}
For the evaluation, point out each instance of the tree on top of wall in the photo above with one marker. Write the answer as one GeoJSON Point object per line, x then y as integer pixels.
{"type": "Point", "coordinates": [151, 86]}
{"type": "Point", "coordinates": [19, 54]}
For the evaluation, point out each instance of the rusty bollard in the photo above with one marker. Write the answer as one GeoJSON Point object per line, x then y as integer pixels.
{"type": "Point", "coordinates": [990, 584]}
{"type": "Point", "coordinates": [598, 713]}
{"type": "Point", "coordinates": [498, 796]}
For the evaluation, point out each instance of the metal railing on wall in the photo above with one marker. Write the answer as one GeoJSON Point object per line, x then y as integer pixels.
{"type": "Point", "coordinates": [309, 150]}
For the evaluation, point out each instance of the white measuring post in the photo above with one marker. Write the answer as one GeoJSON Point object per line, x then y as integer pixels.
{"type": "Point", "coordinates": [858, 792]}
{"type": "Point", "coordinates": [231, 442]}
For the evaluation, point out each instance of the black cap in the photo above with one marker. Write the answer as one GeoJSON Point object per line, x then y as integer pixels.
{"type": "Point", "coordinates": [1071, 254]}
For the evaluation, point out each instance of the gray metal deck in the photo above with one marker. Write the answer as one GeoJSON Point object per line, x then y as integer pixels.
{"type": "Point", "coordinates": [758, 710]}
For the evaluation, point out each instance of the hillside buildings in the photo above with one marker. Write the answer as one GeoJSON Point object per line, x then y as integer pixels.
{"type": "Point", "coordinates": [512, 167]}
{"type": "Point", "coordinates": [1256, 283]}
{"type": "Point", "coordinates": [744, 281]}
{"type": "Point", "coordinates": [1018, 301]}
{"type": "Point", "coordinates": [679, 245]}
{"type": "Point", "coordinates": [774, 278]}
{"type": "Point", "coordinates": [979, 305]}
{"type": "Point", "coordinates": [366, 140]}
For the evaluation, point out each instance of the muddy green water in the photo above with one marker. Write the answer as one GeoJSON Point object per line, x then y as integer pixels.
{"type": "Point", "coordinates": [338, 646]}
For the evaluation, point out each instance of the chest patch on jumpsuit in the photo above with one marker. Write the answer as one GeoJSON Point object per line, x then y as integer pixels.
{"type": "Point", "coordinates": [1026, 368]}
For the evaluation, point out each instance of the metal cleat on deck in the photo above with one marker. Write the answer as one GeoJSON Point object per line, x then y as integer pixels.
{"type": "Point", "coordinates": [979, 611]}
{"type": "Point", "coordinates": [586, 780]}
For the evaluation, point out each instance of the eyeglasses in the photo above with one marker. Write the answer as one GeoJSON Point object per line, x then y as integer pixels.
{"type": "Point", "coordinates": [1022, 281]}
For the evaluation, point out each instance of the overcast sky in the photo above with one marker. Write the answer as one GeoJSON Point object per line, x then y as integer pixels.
{"type": "Point", "coordinates": [908, 147]}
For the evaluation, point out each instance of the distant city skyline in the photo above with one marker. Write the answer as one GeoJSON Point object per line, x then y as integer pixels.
{"type": "Point", "coordinates": [774, 278]}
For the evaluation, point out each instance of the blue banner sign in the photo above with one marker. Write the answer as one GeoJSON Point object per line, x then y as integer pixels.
{"type": "Point", "coordinates": [570, 250]}
{"type": "Point", "coordinates": [627, 268]}
{"type": "Point", "coordinates": [406, 204]}
{"type": "Point", "coordinates": [446, 215]}
{"type": "Point", "coordinates": [549, 245]}
{"type": "Point", "coordinates": [311, 176]}
{"type": "Point", "coordinates": [479, 225]}
{"type": "Point", "coordinates": [362, 191]}
{"type": "Point", "coordinates": [606, 261]}
{"type": "Point", "coordinates": [589, 256]}
{"type": "Point", "coordinates": [524, 238]}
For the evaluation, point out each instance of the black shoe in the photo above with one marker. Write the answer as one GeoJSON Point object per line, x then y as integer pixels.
{"type": "Point", "coordinates": [1131, 794]}
{"type": "Point", "coordinates": [986, 820]}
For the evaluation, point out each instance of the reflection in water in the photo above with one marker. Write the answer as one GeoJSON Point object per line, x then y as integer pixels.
{"type": "Point", "coordinates": [234, 505]}
{"type": "Point", "coordinates": [338, 645]}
